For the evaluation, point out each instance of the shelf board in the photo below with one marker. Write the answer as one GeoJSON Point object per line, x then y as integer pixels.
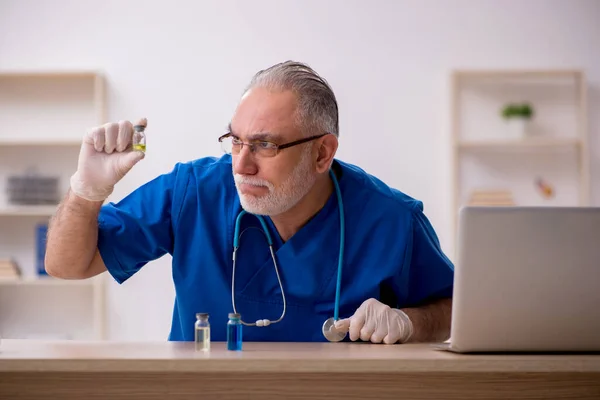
{"type": "Point", "coordinates": [39, 142]}
{"type": "Point", "coordinates": [44, 281]}
{"type": "Point", "coordinates": [518, 144]}
{"type": "Point", "coordinates": [49, 74]}
{"type": "Point", "coordinates": [27, 211]}
{"type": "Point", "coordinates": [518, 73]}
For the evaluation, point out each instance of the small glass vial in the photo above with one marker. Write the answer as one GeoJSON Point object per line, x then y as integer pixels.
{"type": "Point", "coordinates": [234, 332]}
{"type": "Point", "coordinates": [202, 332]}
{"type": "Point", "coordinates": [139, 135]}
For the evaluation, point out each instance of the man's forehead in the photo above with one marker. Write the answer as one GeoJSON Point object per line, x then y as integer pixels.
{"type": "Point", "coordinates": [263, 114]}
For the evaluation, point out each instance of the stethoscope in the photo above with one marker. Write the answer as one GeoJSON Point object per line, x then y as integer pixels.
{"type": "Point", "coordinates": [329, 330]}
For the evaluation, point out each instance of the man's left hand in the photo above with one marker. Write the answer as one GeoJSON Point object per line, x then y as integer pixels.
{"type": "Point", "coordinates": [377, 322]}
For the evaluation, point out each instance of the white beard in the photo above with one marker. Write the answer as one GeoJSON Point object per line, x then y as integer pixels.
{"type": "Point", "coordinates": [283, 198]}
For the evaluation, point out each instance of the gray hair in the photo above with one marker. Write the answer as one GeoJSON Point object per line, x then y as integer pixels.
{"type": "Point", "coordinates": [317, 106]}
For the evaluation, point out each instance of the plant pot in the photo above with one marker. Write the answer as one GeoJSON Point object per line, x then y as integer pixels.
{"type": "Point", "coordinates": [516, 128]}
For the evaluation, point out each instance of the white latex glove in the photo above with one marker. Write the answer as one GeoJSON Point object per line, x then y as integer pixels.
{"type": "Point", "coordinates": [104, 159]}
{"type": "Point", "coordinates": [377, 322]}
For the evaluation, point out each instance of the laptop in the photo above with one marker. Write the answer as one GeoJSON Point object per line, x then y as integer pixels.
{"type": "Point", "coordinates": [527, 279]}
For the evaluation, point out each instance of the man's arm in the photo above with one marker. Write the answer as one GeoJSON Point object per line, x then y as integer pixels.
{"type": "Point", "coordinates": [431, 322]}
{"type": "Point", "coordinates": [71, 250]}
{"type": "Point", "coordinates": [427, 274]}
{"type": "Point", "coordinates": [104, 159]}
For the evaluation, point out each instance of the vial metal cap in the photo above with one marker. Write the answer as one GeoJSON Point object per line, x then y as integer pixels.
{"type": "Point", "coordinates": [234, 316]}
{"type": "Point", "coordinates": [201, 315]}
{"type": "Point", "coordinates": [141, 125]}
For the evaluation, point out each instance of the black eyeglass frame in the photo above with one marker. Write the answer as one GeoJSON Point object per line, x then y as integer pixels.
{"type": "Point", "coordinates": [278, 146]}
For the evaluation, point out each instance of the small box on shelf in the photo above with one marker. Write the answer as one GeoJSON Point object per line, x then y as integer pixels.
{"type": "Point", "coordinates": [32, 188]}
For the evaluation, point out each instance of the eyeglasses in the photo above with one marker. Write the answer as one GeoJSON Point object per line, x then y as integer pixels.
{"type": "Point", "coordinates": [262, 148]}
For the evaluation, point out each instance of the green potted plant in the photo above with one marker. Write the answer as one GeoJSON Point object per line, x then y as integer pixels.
{"type": "Point", "coordinates": [517, 117]}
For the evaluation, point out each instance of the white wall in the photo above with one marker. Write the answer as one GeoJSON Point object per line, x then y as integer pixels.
{"type": "Point", "coordinates": [183, 64]}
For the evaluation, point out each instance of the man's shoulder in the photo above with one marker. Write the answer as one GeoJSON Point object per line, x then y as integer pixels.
{"type": "Point", "coordinates": [207, 166]}
{"type": "Point", "coordinates": [205, 170]}
{"type": "Point", "coordinates": [206, 177]}
{"type": "Point", "coordinates": [369, 187]}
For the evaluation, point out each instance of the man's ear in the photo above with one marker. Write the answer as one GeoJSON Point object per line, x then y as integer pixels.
{"type": "Point", "coordinates": [328, 145]}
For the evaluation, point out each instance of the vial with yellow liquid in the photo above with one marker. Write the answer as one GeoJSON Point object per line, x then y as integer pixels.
{"type": "Point", "coordinates": [202, 332]}
{"type": "Point", "coordinates": [139, 135]}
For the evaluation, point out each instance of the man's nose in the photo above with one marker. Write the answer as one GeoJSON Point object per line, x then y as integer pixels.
{"type": "Point", "coordinates": [244, 162]}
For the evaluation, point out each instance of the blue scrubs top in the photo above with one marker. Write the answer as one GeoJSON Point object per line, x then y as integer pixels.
{"type": "Point", "coordinates": [391, 252]}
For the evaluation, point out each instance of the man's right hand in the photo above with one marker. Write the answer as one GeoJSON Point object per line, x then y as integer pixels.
{"type": "Point", "coordinates": [105, 157]}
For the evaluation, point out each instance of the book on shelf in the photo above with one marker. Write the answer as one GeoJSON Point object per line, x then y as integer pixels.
{"type": "Point", "coordinates": [40, 244]}
{"type": "Point", "coordinates": [491, 198]}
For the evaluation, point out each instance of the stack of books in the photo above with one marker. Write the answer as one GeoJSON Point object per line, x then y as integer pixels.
{"type": "Point", "coordinates": [492, 198]}
{"type": "Point", "coordinates": [9, 269]}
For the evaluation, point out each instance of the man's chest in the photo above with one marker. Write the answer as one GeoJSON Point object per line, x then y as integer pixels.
{"type": "Point", "coordinates": [307, 268]}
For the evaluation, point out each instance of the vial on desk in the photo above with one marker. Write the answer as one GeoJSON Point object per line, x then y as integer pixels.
{"type": "Point", "coordinates": [139, 135]}
{"type": "Point", "coordinates": [202, 332]}
{"type": "Point", "coordinates": [234, 332]}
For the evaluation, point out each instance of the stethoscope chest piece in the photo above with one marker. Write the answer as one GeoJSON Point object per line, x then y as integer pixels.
{"type": "Point", "coordinates": [330, 333]}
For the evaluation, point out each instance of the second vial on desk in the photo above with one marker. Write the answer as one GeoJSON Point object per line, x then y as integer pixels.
{"type": "Point", "coordinates": [202, 332]}
{"type": "Point", "coordinates": [234, 332]}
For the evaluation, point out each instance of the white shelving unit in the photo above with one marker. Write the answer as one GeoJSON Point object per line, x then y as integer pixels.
{"type": "Point", "coordinates": [43, 116]}
{"type": "Point", "coordinates": [486, 157]}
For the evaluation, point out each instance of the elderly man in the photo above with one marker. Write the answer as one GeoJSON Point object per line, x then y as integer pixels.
{"type": "Point", "coordinates": [345, 247]}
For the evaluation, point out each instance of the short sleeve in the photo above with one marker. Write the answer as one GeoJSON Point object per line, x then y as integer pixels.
{"type": "Point", "coordinates": [139, 228]}
{"type": "Point", "coordinates": [430, 272]}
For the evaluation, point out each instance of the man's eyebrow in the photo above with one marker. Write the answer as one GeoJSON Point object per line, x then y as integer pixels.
{"type": "Point", "coordinates": [267, 136]}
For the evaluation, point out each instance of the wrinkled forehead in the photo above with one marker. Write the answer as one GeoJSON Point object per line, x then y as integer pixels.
{"type": "Point", "coordinates": [264, 114]}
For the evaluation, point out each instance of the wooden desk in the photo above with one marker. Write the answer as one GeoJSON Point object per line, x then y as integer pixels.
{"type": "Point", "coordinates": [86, 370]}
